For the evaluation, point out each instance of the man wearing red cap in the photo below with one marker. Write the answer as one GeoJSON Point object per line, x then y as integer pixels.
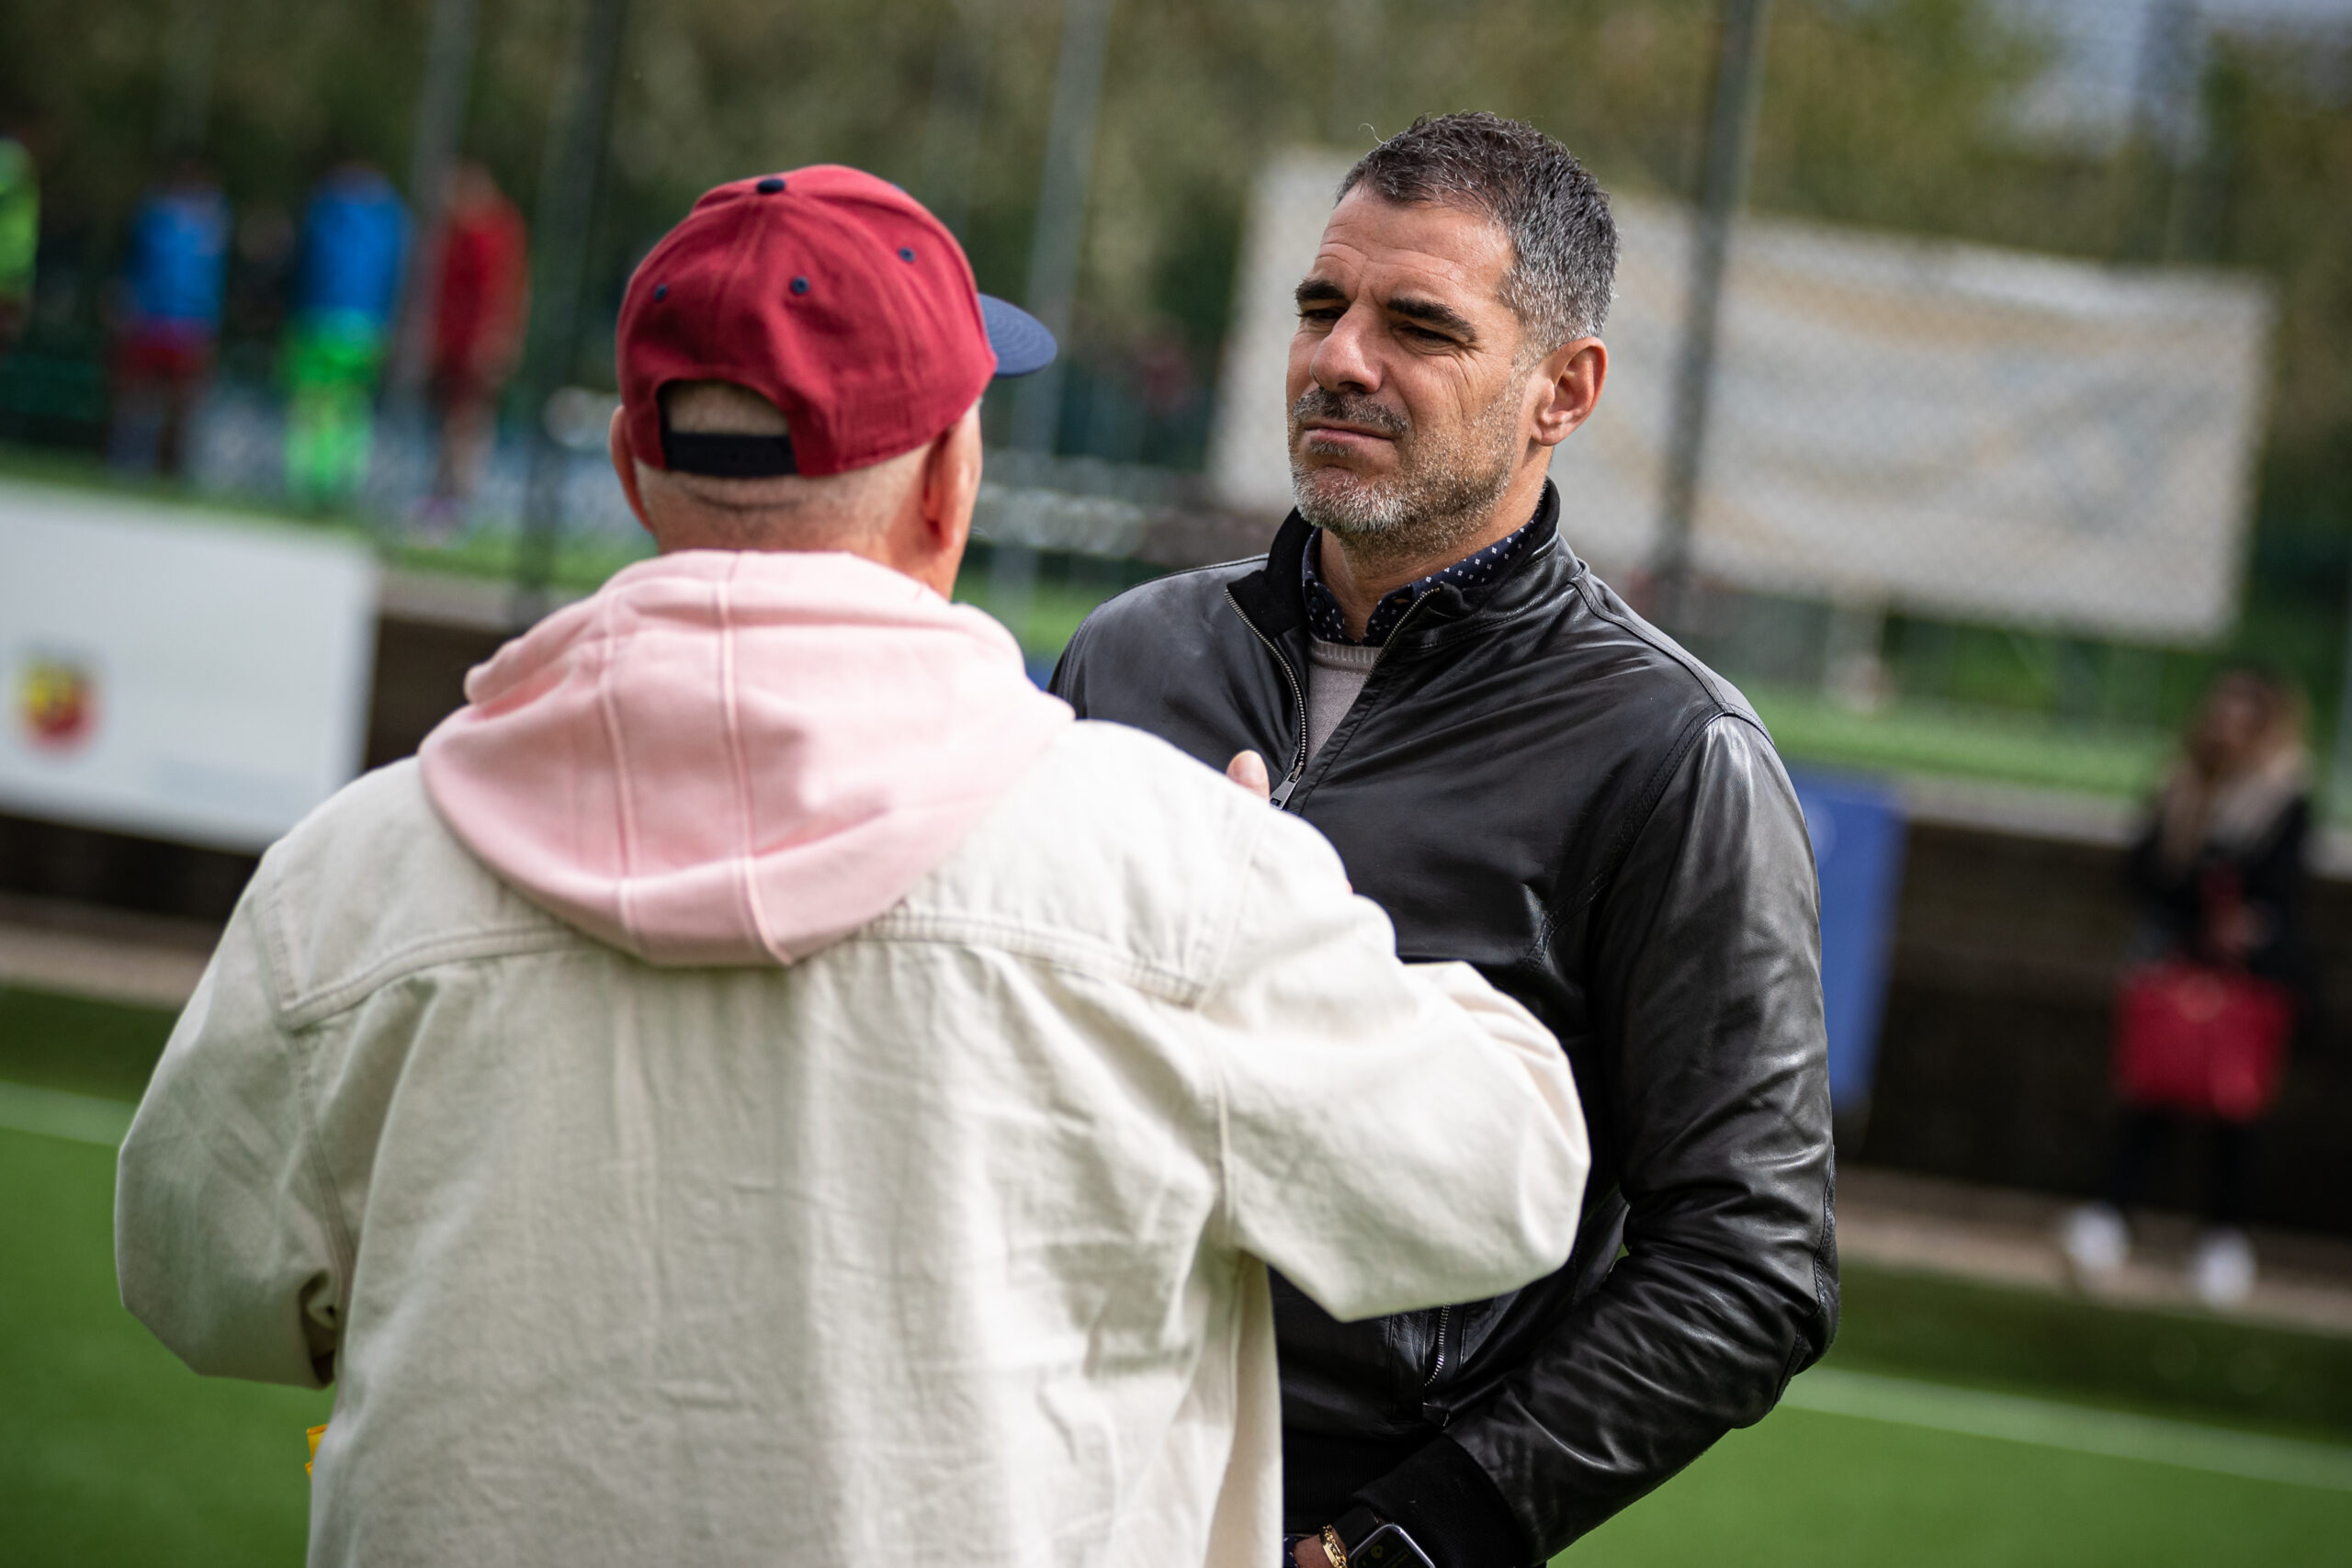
{"type": "Point", "coordinates": [766, 1086]}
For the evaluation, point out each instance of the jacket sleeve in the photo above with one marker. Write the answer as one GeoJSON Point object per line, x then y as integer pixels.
{"type": "Point", "coordinates": [1713, 1086]}
{"type": "Point", "coordinates": [225, 1245]}
{"type": "Point", "coordinates": [1392, 1138]}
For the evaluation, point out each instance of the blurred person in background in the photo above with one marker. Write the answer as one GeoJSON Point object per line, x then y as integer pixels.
{"type": "Point", "coordinates": [2209, 1004]}
{"type": "Point", "coordinates": [1529, 778]}
{"type": "Point", "coordinates": [481, 302]}
{"type": "Point", "coordinates": [170, 331]}
{"type": "Point", "coordinates": [19, 237]}
{"type": "Point", "coordinates": [346, 287]}
{"type": "Point", "coordinates": [764, 1085]}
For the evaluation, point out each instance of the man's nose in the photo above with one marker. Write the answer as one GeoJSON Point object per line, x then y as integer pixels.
{"type": "Point", "coordinates": [1343, 360]}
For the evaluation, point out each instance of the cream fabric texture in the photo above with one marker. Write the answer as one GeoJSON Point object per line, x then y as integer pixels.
{"type": "Point", "coordinates": [945, 1245]}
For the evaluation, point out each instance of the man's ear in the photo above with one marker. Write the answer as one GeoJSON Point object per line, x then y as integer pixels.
{"type": "Point", "coordinates": [1571, 377]}
{"type": "Point", "coordinates": [617, 442]}
{"type": "Point", "coordinates": [951, 481]}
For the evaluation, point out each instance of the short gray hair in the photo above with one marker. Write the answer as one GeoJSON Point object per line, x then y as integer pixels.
{"type": "Point", "coordinates": [1564, 266]}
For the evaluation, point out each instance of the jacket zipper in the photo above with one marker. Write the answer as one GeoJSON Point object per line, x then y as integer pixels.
{"type": "Point", "coordinates": [1402, 621]}
{"type": "Point", "coordinates": [1282, 794]}
{"type": "Point", "coordinates": [1281, 797]}
{"type": "Point", "coordinates": [1437, 1364]}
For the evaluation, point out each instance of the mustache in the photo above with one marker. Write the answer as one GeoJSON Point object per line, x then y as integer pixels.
{"type": "Point", "coordinates": [1347, 408]}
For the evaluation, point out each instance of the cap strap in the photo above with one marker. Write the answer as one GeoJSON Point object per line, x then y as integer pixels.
{"type": "Point", "coordinates": [728, 456]}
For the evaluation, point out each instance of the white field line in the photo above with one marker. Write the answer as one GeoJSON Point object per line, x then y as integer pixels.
{"type": "Point", "coordinates": [55, 1113]}
{"type": "Point", "coordinates": [2072, 1427]}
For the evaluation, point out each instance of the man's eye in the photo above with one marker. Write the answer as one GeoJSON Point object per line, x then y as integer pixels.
{"type": "Point", "coordinates": [1319, 313]}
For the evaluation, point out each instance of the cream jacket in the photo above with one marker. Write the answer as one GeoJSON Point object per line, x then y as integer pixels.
{"type": "Point", "coordinates": [946, 1244]}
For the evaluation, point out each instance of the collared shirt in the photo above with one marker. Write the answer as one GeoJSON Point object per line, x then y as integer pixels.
{"type": "Point", "coordinates": [1325, 618]}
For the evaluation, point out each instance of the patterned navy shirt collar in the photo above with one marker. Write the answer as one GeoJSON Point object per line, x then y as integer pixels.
{"type": "Point", "coordinates": [1325, 621]}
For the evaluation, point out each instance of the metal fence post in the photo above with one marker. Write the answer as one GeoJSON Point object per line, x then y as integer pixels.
{"type": "Point", "coordinates": [1054, 256]}
{"type": "Point", "coordinates": [572, 169]}
{"type": "Point", "coordinates": [2339, 766]}
{"type": "Point", "coordinates": [951, 133]}
{"type": "Point", "coordinates": [1359, 67]}
{"type": "Point", "coordinates": [440, 125]}
{"type": "Point", "coordinates": [1731, 140]}
{"type": "Point", "coordinates": [192, 47]}
{"type": "Point", "coordinates": [1055, 248]}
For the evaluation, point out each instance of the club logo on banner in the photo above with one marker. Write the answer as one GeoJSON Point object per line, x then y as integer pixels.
{"type": "Point", "coordinates": [57, 702]}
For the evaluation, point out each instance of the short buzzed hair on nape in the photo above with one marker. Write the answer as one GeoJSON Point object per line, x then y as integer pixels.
{"type": "Point", "coordinates": [1564, 268]}
{"type": "Point", "coordinates": [773, 511]}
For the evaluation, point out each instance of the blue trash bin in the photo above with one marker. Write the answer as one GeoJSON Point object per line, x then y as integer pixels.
{"type": "Point", "coordinates": [1858, 831]}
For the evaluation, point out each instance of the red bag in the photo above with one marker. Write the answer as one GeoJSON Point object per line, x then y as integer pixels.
{"type": "Point", "coordinates": [2193, 1037]}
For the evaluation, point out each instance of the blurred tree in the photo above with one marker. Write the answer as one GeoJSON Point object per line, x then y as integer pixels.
{"type": "Point", "coordinates": [1884, 113]}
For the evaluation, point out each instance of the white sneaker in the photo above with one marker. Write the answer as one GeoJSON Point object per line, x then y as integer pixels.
{"type": "Point", "coordinates": [2095, 1238]}
{"type": "Point", "coordinates": [2222, 1270]}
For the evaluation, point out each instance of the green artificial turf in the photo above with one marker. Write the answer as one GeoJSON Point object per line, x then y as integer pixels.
{"type": "Point", "coordinates": [79, 1044]}
{"type": "Point", "coordinates": [114, 1452]}
{"type": "Point", "coordinates": [119, 1455]}
{"type": "Point", "coordinates": [1820, 1491]}
{"type": "Point", "coordinates": [2183, 1363]}
{"type": "Point", "coordinates": [1954, 741]}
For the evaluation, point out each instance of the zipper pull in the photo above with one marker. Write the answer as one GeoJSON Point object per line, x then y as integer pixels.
{"type": "Point", "coordinates": [1282, 792]}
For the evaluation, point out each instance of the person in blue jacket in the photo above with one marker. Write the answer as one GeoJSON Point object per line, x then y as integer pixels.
{"type": "Point", "coordinates": [170, 323]}
{"type": "Point", "coordinates": [347, 292]}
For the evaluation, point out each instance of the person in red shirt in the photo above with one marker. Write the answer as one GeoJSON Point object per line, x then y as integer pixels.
{"type": "Point", "coordinates": [481, 288]}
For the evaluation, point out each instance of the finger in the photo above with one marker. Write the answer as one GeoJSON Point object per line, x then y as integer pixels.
{"type": "Point", "coordinates": [1248, 770]}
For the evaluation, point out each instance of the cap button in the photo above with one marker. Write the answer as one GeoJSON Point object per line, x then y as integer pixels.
{"type": "Point", "coordinates": [800, 286]}
{"type": "Point", "coordinates": [769, 185]}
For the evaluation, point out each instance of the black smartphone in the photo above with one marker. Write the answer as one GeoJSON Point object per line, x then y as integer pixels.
{"type": "Point", "coordinates": [1388, 1547]}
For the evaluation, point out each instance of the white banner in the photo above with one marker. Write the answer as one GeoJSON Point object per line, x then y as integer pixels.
{"type": "Point", "coordinates": [178, 674]}
{"type": "Point", "coordinates": [1918, 424]}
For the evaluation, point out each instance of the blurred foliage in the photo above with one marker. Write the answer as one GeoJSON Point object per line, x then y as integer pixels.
{"type": "Point", "coordinates": [1880, 113]}
{"type": "Point", "coordinates": [1885, 113]}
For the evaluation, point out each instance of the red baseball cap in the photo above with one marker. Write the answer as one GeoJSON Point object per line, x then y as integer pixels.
{"type": "Point", "coordinates": [835, 296]}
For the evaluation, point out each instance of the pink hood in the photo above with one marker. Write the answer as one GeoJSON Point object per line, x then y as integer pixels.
{"type": "Point", "coordinates": [728, 757]}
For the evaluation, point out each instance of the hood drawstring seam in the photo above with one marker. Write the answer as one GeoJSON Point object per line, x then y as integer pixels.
{"type": "Point", "coordinates": [746, 888]}
{"type": "Point", "coordinates": [624, 799]}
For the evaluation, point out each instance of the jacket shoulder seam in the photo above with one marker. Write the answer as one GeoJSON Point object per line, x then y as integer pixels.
{"type": "Point", "coordinates": [1635, 821]}
{"type": "Point", "coordinates": [323, 1002]}
{"type": "Point", "coordinates": [346, 1251]}
{"type": "Point", "coordinates": [1066, 950]}
{"type": "Point", "coordinates": [287, 1025]}
{"type": "Point", "coordinates": [1706, 680]}
{"type": "Point", "coordinates": [1258, 560]}
{"type": "Point", "coordinates": [1163, 581]}
{"type": "Point", "coordinates": [277, 961]}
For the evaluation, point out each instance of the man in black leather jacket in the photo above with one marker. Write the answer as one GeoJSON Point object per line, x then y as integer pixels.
{"type": "Point", "coordinates": [1527, 776]}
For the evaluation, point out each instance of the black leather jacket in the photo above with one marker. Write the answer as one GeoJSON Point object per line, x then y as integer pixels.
{"type": "Point", "coordinates": [1537, 782]}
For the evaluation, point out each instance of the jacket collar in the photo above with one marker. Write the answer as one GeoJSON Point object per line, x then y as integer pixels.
{"type": "Point", "coordinates": [1272, 599]}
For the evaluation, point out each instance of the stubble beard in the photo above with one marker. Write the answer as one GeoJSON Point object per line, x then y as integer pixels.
{"type": "Point", "coordinates": [1440, 494]}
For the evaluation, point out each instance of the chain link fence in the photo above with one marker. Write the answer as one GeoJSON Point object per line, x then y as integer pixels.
{"type": "Point", "coordinates": [1935, 475]}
